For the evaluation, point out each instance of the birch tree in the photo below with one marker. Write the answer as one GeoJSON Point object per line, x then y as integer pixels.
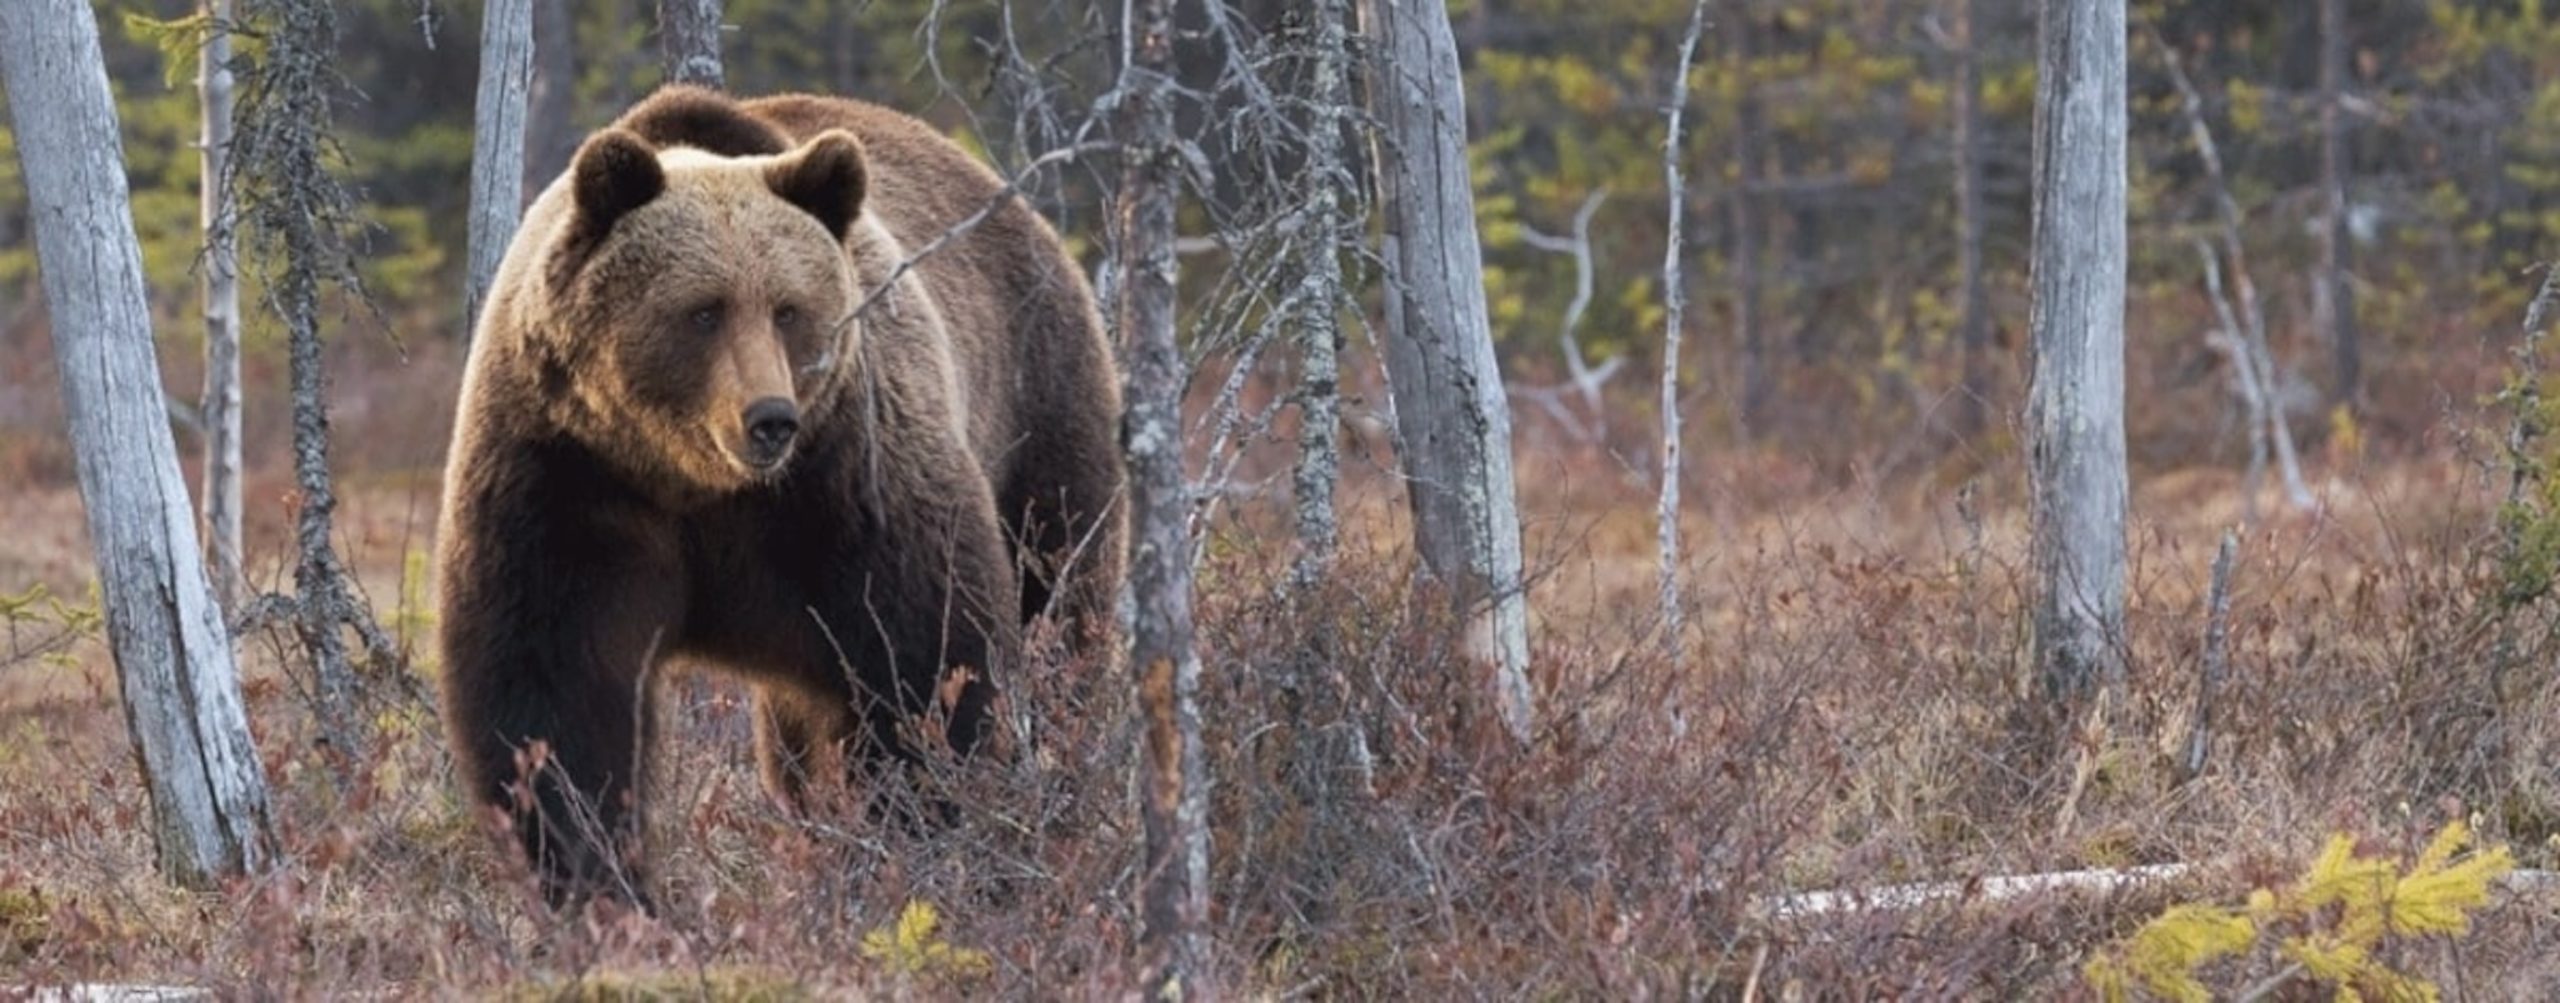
{"type": "Point", "coordinates": [221, 271]}
{"type": "Point", "coordinates": [689, 42]}
{"type": "Point", "coordinates": [2075, 409]}
{"type": "Point", "coordinates": [172, 654]}
{"type": "Point", "coordinates": [1675, 301]}
{"type": "Point", "coordinates": [1173, 801]}
{"type": "Point", "coordinates": [497, 143]}
{"type": "Point", "coordinates": [1453, 425]}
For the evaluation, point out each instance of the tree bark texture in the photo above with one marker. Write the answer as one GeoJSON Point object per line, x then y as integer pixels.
{"type": "Point", "coordinates": [1319, 462]}
{"type": "Point", "coordinates": [551, 135]}
{"type": "Point", "coordinates": [2333, 300]}
{"type": "Point", "coordinates": [1675, 303]}
{"type": "Point", "coordinates": [497, 143]}
{"type": "Point", "coordinates": [1973, 317]}
{"type": "Point", "coordinates": [1453, 423]}
{"type": "Point", "coordinates": [689, 42]}
{"type": "Point", "coordinates": [173, 656]}
{"type": "Point", "coordinates": [1173, 799]}
{"type": "Point", "coordinates": [2075, 409]}
{"type": "Point", "coordinates": [221, 405]}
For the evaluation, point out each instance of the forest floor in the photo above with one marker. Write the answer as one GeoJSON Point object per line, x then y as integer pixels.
{"type": "Point", "coordinates": [1845, 711]}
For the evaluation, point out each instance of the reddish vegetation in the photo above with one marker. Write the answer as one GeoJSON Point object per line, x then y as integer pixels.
{"type": "Point", "coordinates": [1846, 718]}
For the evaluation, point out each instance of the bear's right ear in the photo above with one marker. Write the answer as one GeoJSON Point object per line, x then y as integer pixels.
{"type": "Point", "coordinates": [615, 172]}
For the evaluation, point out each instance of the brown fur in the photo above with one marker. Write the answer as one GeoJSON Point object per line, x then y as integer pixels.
{"type": "Point", "coordinates": [604, 511]}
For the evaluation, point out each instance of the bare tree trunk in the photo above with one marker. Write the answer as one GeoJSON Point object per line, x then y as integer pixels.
{"type": "Point", "coordinates": [2075, 410]}
{"type": "Point", "coordinates": [1973, 313]}
{"type": "Point", "coordinates": [1319, 463]}
{"type": "Point", "coordinates": [497, 143]}
{"type": "Point", "coordinates": [302, 207]}
{"type": "Point", "coordinates": [2217, 634]}
{"type": "Point", "coordinates": [689, 42]}
{"type": "Point", "coordinates": [2253, 313]}
{"type": "Point", "coordinates": [551, 135]}
{"type": "Point", "coordinates": [173, 656]}
{"type": "Point", "coordinates": [222, 492]}
{"type": "Point", "coordinates": [1675, 303]}
{"type": "Point", "coordinates": [1173, 798]}
{"type": "Point", "coordinates": [1453, 425]}
{"type": "Point", "coordinates": [2333, 299]}
{"type": "Point", "coordinates": [1743, 205]}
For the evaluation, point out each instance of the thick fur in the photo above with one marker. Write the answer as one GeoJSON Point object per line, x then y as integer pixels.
{"type": "Point", "coordinates": [955, 472]}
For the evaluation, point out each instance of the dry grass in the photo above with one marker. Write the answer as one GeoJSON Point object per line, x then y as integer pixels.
{"type": "Point", "coordinates": [1845, 714]}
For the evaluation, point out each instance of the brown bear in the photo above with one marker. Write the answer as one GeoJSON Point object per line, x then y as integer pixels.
{"type": "Point", "coordinates": [719, 410]}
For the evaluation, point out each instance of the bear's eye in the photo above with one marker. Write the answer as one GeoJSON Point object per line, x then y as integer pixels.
{"type": "Point", "coordinates": [786, 316]}
{"type": "Point", "coordinates": [705, 318]}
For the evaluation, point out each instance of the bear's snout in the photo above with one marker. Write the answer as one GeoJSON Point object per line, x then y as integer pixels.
{"type": "Point", "coordinates": [771, 425]}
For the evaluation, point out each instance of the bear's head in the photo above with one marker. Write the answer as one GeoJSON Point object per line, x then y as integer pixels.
{"type": "Point", "coordinates": [701, 303]}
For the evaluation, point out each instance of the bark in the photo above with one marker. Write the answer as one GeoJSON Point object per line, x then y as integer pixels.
{"type": "Point", "coordinates": [1453, 424]}
{"type": "Point", "coordinates": [173, 657]}
{"type": "Point", "coordinates": [2217, 635]}
{"type": "Point", "coordinates": [1744, 211]}
{"type": "Point", "coordinates": [1675, 302]}
{"type": "Point", "coordinates": [1973, 319]}
{"type": "Point", "coordinates": [689, 42]}
{"type": "Point", "coordinates": [2333, 301]}
{"type": "Point", "coordinates": [2252, 330]}
{"type": "Point", "coordinates": [497, 143]}
{"type": "Point", "coordinates": [301, 208]}
{"type": "Point", "coordinates": [551, 135]}
{"type": "Point", "coordinates": [1173, 800]}
{"type": "Point", "coordinates": [2075, 409]}
{"type": "Point", "coordinates": [221, 405]}
{"type": "Point", "coordinates": [1319, 462]}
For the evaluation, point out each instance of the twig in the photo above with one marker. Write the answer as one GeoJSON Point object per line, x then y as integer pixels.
{"type": "Point", "coordinates": [2217, 632]}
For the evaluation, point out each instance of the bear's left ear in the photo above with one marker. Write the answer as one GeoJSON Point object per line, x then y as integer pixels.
{"type": "Point", "coordinates": [824, 177]}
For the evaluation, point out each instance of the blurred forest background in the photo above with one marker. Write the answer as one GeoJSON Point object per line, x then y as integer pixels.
{"type": "Point", "coordinates": [1843, 710]}
{"type": "Point", "coordinates": [1829, 327]}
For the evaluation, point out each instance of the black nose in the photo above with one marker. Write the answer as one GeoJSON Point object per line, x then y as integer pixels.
{"type": "Point", "coordinates": [771, 424]}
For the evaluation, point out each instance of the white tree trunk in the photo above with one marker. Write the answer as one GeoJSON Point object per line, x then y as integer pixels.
{"type": "Point", "coordinates": [689, 42]}
{"type": "Point", "coordinates": [1453, 425]}
{"type": "Point", "coordinates": [1675, 302]}
{"type": "Point", "coordinates": [497, 143]}
{"type": "Point", "coordinates": [173, 657]}
{"type": "Point", "coordinates": [2075, 410]}
{"type": "Point", "coordinates": [222, 492]}
{"type": "Point", "coordinates": [1173, 782]}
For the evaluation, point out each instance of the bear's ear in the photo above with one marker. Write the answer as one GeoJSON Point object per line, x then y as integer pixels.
{"type": "Point", "coordinates": [615, 172]}
{"type": "Point", "coordinates": [824, 177]}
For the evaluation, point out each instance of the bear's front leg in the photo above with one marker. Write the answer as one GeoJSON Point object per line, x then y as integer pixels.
{"type": "Point", "coordinates": [924, 616]}
{"type": "Point", "coordinates": [552, 622]}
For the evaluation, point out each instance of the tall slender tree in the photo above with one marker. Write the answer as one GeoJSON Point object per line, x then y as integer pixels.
{"type": "Point", "coordinates": [1319, 460]}
{"type": "Point", "coordinates": [2075, 409]}
{"type": "Point", "coordinates": [551, 135]}
{"type": "Point", "coordinates": [689, 42]}
{"type": "Point", "coordinates": [1173, 799]}
{"type": "Point", "coordinates": [497, 143]}
{"type": "Point", "coordinates": [172, 654]}
{"type": "Point", "coordinates": [221, 406]}
{"type": "Point", "coordinates": [1675, 302]}
{"type": "Point", "coordinates": [1453, 422]}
